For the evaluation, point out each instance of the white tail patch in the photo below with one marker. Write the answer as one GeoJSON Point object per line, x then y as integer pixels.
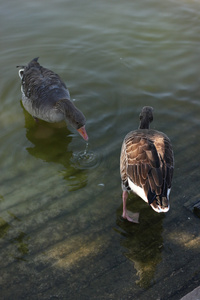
{"type": "Point", "coordinates": [21, 72]}
{"type": "Point", "coordinates": [137, 190]}
{"type": "Point", "coordinates": [140, 192]}
{"type": "Point", "coordinates": [158, 209]}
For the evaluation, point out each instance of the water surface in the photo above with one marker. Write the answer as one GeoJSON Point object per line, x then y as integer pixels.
{"type": "Point", "coordinates": [61, 232]}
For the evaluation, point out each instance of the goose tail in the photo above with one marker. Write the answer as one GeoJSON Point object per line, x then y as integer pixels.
{"type": "Point", "coordinates": [161, 204]}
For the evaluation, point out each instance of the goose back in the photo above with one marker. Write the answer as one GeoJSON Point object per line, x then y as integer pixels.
{"type": "Point", "coordinates": [41, 89]}
{"type": "Point", "coordinates": [147, 162]}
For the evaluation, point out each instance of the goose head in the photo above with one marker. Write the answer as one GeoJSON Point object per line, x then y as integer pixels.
{"type": "Point", "coordinates": [73, 115]}
{"type": "Point", "coordinates": [146, 117]}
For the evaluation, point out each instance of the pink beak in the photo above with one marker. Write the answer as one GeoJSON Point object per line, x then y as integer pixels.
{"type": "Point", "coordinates": [83, 133]}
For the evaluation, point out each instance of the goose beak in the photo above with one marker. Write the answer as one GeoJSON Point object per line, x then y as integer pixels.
{"type": "Point", "coordinates": [83, 133]}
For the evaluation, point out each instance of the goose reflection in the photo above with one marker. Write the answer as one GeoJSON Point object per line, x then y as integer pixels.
{"type": "Point", "coordinates": [50, 143]}
{"type": "Point", "coordinates": [143, 242]}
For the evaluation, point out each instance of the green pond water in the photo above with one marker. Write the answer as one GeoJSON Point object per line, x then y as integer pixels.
{"type": "Point", "coordinates": [61, 231]}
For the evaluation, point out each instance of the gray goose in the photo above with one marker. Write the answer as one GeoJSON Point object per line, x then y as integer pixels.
{"type": "Point", "coordinates": [46, 97]}
{"type": "Point", "coordinates": [146, 166]}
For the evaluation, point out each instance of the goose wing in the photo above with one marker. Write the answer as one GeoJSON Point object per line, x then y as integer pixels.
{"type": "Point", "coordinates": [41, 83]}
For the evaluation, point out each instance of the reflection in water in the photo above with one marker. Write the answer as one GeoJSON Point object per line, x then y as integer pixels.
{"type": "Point", "coordinates": [4, 227]}
{"type": "Point", "coordinates": [143, 241]}
{"type": "Point", "coordinates": [22, 246]}
{"type": "Point", "coordinates": [13, 216]}
{"type": "Point", "coordinates": [50, 144]}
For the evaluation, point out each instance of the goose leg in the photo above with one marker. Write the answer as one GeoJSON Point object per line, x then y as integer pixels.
{"type": "Point", "coordinates": [131, 217]}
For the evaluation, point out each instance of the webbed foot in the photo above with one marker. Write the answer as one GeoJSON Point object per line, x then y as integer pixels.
{"type": "Point", "coordinates": [131, 217]}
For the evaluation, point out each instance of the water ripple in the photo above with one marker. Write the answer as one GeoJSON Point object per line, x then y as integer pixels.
{"type": "Point", "coordinates": [85, 159]}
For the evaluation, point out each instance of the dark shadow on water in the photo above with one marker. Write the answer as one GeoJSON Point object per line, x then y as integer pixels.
{"type": "Point", "coordinates": [20, 249]}
{"type": "Point", "coordinates": [50, 144]}
{"type": "Point", "coordinates": [4, 227]}
{"type": "Point", "coordinates": [143, 242]}
{"type": "Point", "coordinates": [21, 242]}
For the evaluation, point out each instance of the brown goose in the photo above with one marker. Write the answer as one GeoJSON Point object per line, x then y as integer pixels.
{"type": "Point", "coordinates": [45, 96]}
{"type": "Point", "coordinates": [146, 166]}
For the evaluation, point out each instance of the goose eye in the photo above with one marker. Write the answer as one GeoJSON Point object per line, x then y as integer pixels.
{"type": "Point", "coordinates": [78, 124]}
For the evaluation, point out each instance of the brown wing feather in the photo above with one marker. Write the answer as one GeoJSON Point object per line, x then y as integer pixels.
{"type": "Point", "coordinates": [164, 148]}
{"type": "Point", "coordinates": [123, 163]}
